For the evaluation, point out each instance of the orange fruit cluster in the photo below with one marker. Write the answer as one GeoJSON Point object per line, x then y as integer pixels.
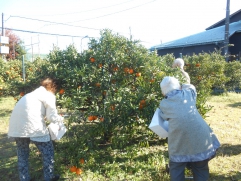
{"type": "Point", "coordinates": [128, 70]}
{"type": "Point", "coordinates": [142, 104]}
{"type": "Point", "coordinates": [92, 118]}
{"type": "Point", "coordinates": [76, 170]}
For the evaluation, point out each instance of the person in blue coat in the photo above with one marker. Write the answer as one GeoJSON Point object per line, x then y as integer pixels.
{"type": "Point", "coordinates": [190, 139]}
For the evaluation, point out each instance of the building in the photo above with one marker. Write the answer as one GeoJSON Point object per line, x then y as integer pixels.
{"type": "Point", "coordinates": [207, 41]}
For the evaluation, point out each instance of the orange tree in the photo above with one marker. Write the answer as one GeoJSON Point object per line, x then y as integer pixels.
{"type": "Point", "coordinates": [12, 80]}
{"type": "Point", "coordinates": [113, 87]}
{"type": "Point", "coordinates": [232, 71]}
{"type": "Point", "coordinates": [207, 73]}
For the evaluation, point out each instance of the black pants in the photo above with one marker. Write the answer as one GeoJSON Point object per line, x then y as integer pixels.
{"type": "Point", "coordinates": [47, 151]}
{"type": "Point", "coordinates": [200, 170]}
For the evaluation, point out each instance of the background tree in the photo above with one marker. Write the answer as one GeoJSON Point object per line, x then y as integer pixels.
{"type": "Point", "coordinates": [16, 48]}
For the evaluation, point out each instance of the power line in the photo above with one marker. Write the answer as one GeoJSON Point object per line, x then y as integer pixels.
{"type": "Point", "coordinates": [55, 34]}
{"type": "Point", "coordinates": [87, 10]}
{"type": "Point", "coordinates": [53, 22]}
{"type": "Point", "coordinates": [113, 13]}
{"type": "Point", "coordinates": [65, 24]}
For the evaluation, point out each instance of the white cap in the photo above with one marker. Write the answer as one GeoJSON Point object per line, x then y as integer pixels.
{"type": "Point", "coordinates": [179, 62]}
{"type": "Point", "coordinates": [168, 84]}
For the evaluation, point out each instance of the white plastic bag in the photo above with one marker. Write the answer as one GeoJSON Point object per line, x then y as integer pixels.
{"type": "Point", "coordinates": [158, 125]}
{"type": "Point", "coordinates": [57, 130]}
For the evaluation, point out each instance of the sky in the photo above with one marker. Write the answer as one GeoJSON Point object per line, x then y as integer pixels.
{"type": "Point", "coordinates": [151, 21]}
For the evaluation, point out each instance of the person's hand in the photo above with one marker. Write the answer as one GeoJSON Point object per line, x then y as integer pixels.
{"type": "Point", "coordinates": [178, 63]}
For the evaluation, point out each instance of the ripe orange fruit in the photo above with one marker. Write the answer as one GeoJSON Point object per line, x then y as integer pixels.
{"type": "Point", "coordinates": [100, 65]}
{"type": "Point", "coordinates": [112, 107]}
{"type": "Point", "coordinates": [78, 171]}
{"type": "Point", "coordinates": [152, 80]}
{"type": "Point", "coordinates": [198, 65]}
{"type": "Point", "coordinates": [82, 161]}
{"type": "Point", "coordinates": [131, 71]}
{"type": "Point", "coordinates": [101, 119]}
{"type": "Point", "coordinates": [92, 59]}
{"type": "Point", "coordinates": [61, 91]}
{"type": "Point", "coordinates": [141, 106]}
{"type": "Point", "coordinates": [21, 94]}
{"type": "Point", "coordinates": [138, 74]}
{"type": "Point", "coordinates": [90, 118]}
{"type": "Point", "coordinates": [104, 93]}
{"type": "Point", "coordinates": [73, 169]}
{"type": "Point", "coordinates": [94, 118]}
{"type": "Point", "coordinates": [126, 70]}
{"type": "Point", "coordinates": [143, 102]}
{"type": "Point", "coordinates": [97, 84]}
{"type": "Point", "coordinates": [115, 69]}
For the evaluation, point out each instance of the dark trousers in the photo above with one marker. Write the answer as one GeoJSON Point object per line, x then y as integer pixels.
{"type": "Point", "coordinates": [200, 170]}
{"type": "Point", "coordinates": [47, 151]}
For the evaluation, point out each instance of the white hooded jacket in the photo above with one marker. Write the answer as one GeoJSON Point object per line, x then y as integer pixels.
{"type": "Point", "coordinates": [28, 116]}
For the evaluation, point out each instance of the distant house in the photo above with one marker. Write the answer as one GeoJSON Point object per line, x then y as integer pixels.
{"type": "Point", "coordinates": [207, 41]}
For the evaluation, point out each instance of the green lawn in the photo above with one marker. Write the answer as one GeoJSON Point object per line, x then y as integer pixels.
{"type": "Point", "coordinates": [135, 162]}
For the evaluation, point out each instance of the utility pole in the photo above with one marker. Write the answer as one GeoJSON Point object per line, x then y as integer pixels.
{"type": "Point", "coordinates": [226, 34]}
{"type": "Point", "coordinates": [32, 47]}
{"type": "Point", "coordinates": [3, 34]}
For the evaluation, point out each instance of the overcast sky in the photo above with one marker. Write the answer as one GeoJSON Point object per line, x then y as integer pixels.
{"type": "Point", "coordinates": [150, 21]}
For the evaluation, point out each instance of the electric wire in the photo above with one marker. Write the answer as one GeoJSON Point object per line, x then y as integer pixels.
{"type": "Point", "coordinates": [54, 22]}
{"type": "Point", "coordinates": [36, 32]}
{"type": "Point", "coordinates": [113, 13]}
{"type": "Point", "coordinates": [86, 10]}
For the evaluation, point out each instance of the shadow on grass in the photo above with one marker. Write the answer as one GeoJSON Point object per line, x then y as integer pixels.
{"type": "Point", "coordinates": [5, 112]}
{"type": "Point", "coordinates": [229, 150]}
{"type": "Point", "coordinates": [8, 160]}
{"type": "Point", "coordinates": [237, 104]}
{"type": "Point", "coordinates": [235, 176]}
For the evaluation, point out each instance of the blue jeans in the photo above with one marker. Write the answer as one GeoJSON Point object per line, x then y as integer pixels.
{"type": "Point", "coordinates": [47, 151]}
{"type": "Point", "coordinates": [200, 170]}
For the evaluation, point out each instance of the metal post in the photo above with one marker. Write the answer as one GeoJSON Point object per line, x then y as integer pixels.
{"type": "Point", "coordinates": [3, 25]}
{"type": "Point", "coordinates": [3, 34]}
{"type": "Point", "coordinates": [180, 55]}
{"type": "Point", "coordinates": [32, 47]}
{"type": "Point", "coordinates": [81, 42]}
{"type": "Point", "coordinates": [23, 68]}
{"type": "Point", "coordinates": [226, 34]}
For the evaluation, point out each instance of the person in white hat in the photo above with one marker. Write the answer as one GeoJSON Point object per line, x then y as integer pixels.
{"type": "Point", "coordinates": [190, 140]}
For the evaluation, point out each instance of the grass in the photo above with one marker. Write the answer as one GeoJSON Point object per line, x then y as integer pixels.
{"type": "Point", "coordinates": [135, 162]}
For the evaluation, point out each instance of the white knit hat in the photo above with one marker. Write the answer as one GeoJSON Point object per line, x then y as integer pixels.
{"type": "Point", "coordinates": [168, 84]}
{"type": "Point", "coordinates": [179, 62]}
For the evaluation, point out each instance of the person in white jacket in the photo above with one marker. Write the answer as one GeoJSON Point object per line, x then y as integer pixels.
{"type": "Point", "coordinates": [27, 124]}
